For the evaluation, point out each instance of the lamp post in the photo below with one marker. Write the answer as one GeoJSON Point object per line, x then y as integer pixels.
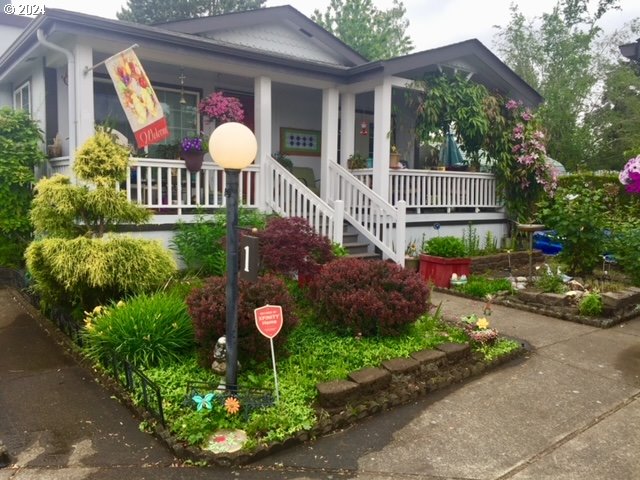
{"type": "Point", "coordinates": [233, 146]}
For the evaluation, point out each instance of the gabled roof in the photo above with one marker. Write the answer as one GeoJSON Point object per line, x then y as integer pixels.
{"type": "Point", "coordinates": [182, 37]}
{"type": "Point", "coordinates": [219, 28]}
{"type": "Point", "coordinates": [470, 56]}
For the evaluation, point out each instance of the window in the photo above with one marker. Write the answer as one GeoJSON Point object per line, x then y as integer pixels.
{"type": "Point", "coordinates": [182, 118]}
{"type": "Point", "coordinates": [22, 97]}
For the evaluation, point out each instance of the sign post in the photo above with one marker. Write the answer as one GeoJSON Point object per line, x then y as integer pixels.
{"type": "Point", "coordinates": [269, 322]}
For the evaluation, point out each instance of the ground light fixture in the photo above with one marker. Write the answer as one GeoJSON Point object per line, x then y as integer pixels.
{"type": "Point", "coordinates": [233, 146]}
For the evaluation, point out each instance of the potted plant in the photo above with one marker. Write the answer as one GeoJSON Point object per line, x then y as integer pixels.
{"type": "Point", "coordinates": [283, 160]}
{"type": "Point", "coordinates": [441, 258]}
{"type": "Point", "coordinates": [394, 157]}
{"type": "Point", "coordinates": [356, 161]}
{"type": "Point", "coordinates": [221, 108]}
{"type": "Point", "coordinates": [192, 150]}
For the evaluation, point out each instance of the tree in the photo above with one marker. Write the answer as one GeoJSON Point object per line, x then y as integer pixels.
{"type": "Point", "coordinates": [555, 56]}
{"type": "Point", "coordinates": [375, 34]}
{"type": "Point", "coordinates": [160, 11]}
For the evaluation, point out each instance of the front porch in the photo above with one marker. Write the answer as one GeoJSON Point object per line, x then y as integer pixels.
{"type": "Point", "coordinates": [417, 199]}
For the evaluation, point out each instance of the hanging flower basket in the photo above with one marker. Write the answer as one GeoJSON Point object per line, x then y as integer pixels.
{"type": "Point", "coordinates": [192, 150]}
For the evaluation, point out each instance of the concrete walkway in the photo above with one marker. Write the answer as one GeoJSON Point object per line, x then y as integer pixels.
{"type": "Point", "coordinates": [569, 411]}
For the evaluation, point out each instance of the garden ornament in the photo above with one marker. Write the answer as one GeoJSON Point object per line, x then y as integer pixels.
{"type": "Point", "coordinates": [219, 364]}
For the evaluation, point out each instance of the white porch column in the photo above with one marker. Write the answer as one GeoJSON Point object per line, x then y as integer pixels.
{"type": "Point", "coordinates": [329, 142]}
{"type": "Point", "coordinates": [263, 121]}
{"type": "Point", "coordinates": [381, 138]}
{"type": "Point", "coordinates": [347, 126]}
{"type": "Point", "coordinates": [84, 117]}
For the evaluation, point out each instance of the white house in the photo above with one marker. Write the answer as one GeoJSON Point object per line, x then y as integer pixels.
{"type": "Point", "coordinates": [294, 80]}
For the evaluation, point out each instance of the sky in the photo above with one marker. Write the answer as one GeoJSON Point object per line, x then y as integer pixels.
{"type": "Point", "coordinates": [432, 23]}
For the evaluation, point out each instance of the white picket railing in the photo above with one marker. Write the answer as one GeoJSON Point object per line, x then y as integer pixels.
{"type": "Point", "coordinates": [167, 187]}
{"type": "Point", "coordinates": [381, 223]}
{"type": "Point", "coordinates": [429, 189]}
{"type": "Point", "coordinates": [57, 165]}
{"type": "Point", "coordinates": [288, 196]}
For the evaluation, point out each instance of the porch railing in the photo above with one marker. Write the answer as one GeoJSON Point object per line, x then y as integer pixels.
{"type": "Point", "coordinates": [167, 187]}
{"type": "Point", "coordinates": [431, 189]}
{"type": "Point", "coordinates": [381, 223]}
{"type": "Point", "coordinates": [288, 196]}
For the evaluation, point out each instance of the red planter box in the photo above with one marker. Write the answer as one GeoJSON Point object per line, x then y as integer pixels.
{"type": "Point", "coordinates": [438, 270]}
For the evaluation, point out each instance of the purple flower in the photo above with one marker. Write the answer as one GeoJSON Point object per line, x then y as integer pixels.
{"type": "Point", "coordinates": [511, 105]}
{"type": "Point", "coordinates": [191, 144]}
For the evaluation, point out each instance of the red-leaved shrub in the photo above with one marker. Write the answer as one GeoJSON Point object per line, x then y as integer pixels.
{"type": "Point", "coordinates": [207, 307]}
{"type": "Point", "coordinates": [290, 246]}
{"type": "Point", "coordinates": [368, 297]}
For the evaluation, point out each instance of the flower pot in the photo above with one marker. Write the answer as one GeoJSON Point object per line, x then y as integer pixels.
{"type": "Point", "coordinates": [394, 160]}
{"type": "Point", "coordinates": [438, 270]}
{"type": "Point", "coordinates": [192, 160]}
{"type": "Point", "coordinates": [412, 263]}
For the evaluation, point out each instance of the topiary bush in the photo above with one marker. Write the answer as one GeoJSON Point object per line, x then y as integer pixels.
{"type": "Point", "coordinates": [369, 298]}
{"type": "Point", "coordinates": [290, 246]}
{"type": "Point", "coordinates": [147, 330]}
{"type": "Point", "coordinates": [85, 272]}
{"type": "Point", "coordinates": [207, 307]}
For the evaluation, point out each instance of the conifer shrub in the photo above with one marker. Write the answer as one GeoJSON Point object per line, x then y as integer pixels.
{"type": "Point", "coordinates": [85, 272]}
{"type": "Point", "coordinates": [367, 297]}
{"type": "Point", "coordinates": [290, 246]}
{"type": "Point", "coordinates": [207, 307]}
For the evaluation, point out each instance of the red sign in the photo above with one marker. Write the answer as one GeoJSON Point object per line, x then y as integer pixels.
{"type": "Point", "coordinates": [269, 320]}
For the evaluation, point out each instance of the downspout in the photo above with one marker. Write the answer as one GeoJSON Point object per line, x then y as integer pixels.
{"type": "Point", "coordinates": [71, 74]}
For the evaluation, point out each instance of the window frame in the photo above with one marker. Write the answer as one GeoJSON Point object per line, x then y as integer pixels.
{"type": "Point", "coordinates": [19, 92]}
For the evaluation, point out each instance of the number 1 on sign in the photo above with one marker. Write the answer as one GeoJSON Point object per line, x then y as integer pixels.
{"type": "Point", "coordinates": [246, 258]}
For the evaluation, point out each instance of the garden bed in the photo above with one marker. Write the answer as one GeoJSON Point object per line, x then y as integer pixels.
{"type": "Point", "coordinates": [371, 390]}
{"type": "Point", "coordinates": [617, 306]}
{"type": "Point", "coordinates": [505, 261]}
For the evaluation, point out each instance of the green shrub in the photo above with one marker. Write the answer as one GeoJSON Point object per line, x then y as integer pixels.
{"type": "Point", "coordinates": [471, 241]}
{"type": "Point", "coordinates": [578, 217]}
{"type": "Point", "coordinates": [147, 330]}
{"type": "Point", "coordinates": [200, 244]}
{"type": "Point", "coordinates": [591, 304]}
{"type": "Point", "coordinates": [20, 151]}
{"type": "Point", "coordinates": [480, 287]}
{"type": "Point", "coordinates": [368, 298]}
{"type": "Point", "coordinates": [207, 307]}
{"type": "Point", "coordinates": [624, 244]}
{"type": "Point", "coordinates": [86, 272]}
{"type": "Point", "coordinates": [448, 247]}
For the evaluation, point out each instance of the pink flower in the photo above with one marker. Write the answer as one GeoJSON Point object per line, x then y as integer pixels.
{"type": "Point", "coordinates": [511, 105]}
{"type": "Point", "coordinates": [526, 115]}
{"type": "Point", "coordinates": [216, 106]}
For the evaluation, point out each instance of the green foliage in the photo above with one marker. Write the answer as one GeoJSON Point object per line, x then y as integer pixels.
{"type": "Point", "coordinates": [160, 11]}
{"type": "Point", "coordinates": [490, 243]}
{"type": "Point", "coordinates": [444, 99]}
{"type": "Point", "coordinates": [200, 244]}
{"type": "Point", "coordinates": [375, 34]}
{"type": "Point", "coordinates": [356, 161]}
{"type": "Point", "coordinates": [91, 271]}
{"type": "Point", "coordinates": [549, 281]}
{"type": "Point", "coordinates": [497, 349]}
{"type": "Point", "coordinates": [480, 287]}
{"type": "Point", "coordinates": [554, 55]}
{"type": "Point", "coordinates": [578, 216]}
{"type": "Point", "coordinates": [447, 246]}
{"type": "Point", "coordinates": [102, 161]}
{"type": "Point", "coordinates": [471, 241]}
{"type": "Point", "coordinates": [591, 304]}
{"type": "Point", "coordinates": [65, 210]}
{"type": "Point", "coordinates": [283, 160]}
{"type": "Point", "coordinates": [338, 250]}
{"type": "Point", "coordinates": [20, 151]}
{"type": "Point", "coordinates": [146, 330]}
{"type": "Point", "coordinates": [624, 244]}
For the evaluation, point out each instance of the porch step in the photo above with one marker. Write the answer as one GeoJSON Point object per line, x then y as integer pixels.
{"type": "Point", "coordinates": [365, 256]}
{"type": "Point", "coordinates": [356, 247]}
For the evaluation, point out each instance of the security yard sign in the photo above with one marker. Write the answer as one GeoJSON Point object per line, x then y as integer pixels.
{"type": "Point", "coordinates": [269, 322]}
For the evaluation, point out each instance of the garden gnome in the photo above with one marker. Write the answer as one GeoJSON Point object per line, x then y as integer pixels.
{"type": "Point", "coordinates": [219, 364]}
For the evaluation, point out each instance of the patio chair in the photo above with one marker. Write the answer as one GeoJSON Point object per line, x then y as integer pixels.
{"type": "Point", "coordinates": [306, 176]}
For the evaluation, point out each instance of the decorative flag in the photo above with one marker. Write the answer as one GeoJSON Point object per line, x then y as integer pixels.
{"type": "Point", "coordinates": [137, 98]}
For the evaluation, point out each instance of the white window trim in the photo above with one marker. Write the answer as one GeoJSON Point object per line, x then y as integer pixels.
{"type": "Point", "coordinates": [19, 91]}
